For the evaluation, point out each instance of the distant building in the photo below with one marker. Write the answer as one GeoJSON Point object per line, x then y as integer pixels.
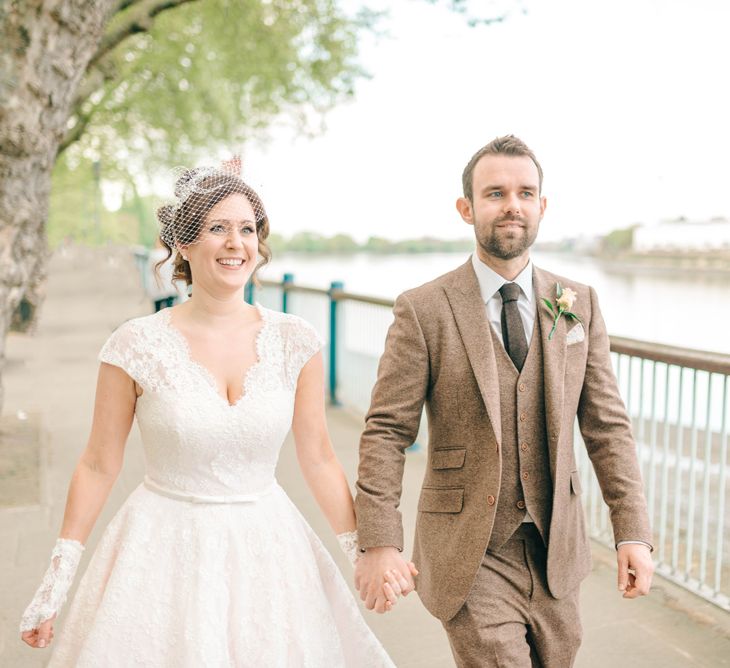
{"type": "Point", "coordinates": [683, 235]}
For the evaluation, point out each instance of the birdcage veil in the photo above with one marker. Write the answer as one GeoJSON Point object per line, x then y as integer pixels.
{"type": "Point", "coordinates": [197, 191]}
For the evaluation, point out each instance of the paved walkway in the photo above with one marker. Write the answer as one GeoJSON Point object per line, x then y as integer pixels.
{"type": "Point", "coordinates": [49, 381]}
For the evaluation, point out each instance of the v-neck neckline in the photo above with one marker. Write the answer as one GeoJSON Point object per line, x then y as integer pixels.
{"type": "Point", "coordinates": [205, 372]}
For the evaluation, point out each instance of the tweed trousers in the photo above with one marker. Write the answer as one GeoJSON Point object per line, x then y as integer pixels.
{"type": "Point", "coordinates": [510, 619]}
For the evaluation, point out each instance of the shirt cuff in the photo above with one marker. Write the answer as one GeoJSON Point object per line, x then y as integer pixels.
{"type": "Point", "coordinates": [633, 542]}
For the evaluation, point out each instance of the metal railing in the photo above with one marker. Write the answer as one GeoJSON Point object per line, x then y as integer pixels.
{"type": "Point", "coordinates": [678, 403]}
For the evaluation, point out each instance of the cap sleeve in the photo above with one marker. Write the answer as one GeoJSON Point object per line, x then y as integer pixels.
{"type": "Point", "coordinates": [122, 349]}
{"type": "Point", "coordinates": [303, 342]}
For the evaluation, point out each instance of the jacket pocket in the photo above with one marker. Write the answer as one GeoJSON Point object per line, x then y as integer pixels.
{"type": "Point", "coordinates": [441, 500]}
{"type": "Point", "coordinates": [575, 485]}
{"type": "Point", "coordinates": [448, 458]}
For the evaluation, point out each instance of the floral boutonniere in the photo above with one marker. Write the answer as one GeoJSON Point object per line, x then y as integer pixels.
{"type": "Point", "coordinates": [564, 302]}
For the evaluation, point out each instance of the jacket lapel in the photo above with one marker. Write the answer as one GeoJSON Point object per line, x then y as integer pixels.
{"type": "Point", "coordinates": [471, 320]}
{"type": "Point", "coordinates": [554, 355]}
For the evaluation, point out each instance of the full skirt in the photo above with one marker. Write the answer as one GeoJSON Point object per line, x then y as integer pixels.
{"type": "Point", "coordinates": [174, 584]}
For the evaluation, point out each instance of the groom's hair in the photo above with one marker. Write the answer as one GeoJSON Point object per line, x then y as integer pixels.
{"type": "Point", "coordinates": [506, 145]}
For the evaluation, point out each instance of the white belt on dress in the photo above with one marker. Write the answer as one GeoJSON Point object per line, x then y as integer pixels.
{"type": "Point", "coordinates": [204, 498]}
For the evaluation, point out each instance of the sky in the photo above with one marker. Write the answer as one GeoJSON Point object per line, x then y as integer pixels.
{"type": "Point", "coordinates": [625, 103]}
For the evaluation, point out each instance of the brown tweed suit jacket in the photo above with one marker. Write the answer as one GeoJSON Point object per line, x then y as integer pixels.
{"type": "Point", "coordinates": [439, 352]}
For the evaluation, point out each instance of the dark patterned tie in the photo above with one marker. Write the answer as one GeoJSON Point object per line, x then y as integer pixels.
{"type": "Point", "coordinates": [513, 332]}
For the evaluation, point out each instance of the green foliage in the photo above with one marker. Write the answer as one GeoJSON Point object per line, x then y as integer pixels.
{"type": "Point", "coordinates": [214, 73]}
{"type": "Point", "coordinates": [310, 242]}
{"type": "Point", "coordinates": [422, 245]}
{"type": "Point", "coordinates": [276, 242]}
{"type": "Point", "coordinates": [70, 213]}
{"type": "Point", "coordinates": [307, 242]}
{"type": "Point", "coordinates": [77, 211]}
{"type": "Point", "coordinates": [342, 243]}
{"type": "Point", "coordinates": [377, 245]}
{"type": "Point", "coordinates": [618, 241]}
{"type": "Point", "coordinates": [431, 245]}
{"type": "Point", "coordinates": [208, 74]}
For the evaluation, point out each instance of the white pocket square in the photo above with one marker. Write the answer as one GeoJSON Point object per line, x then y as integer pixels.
{"type": "Point", "coordinates": [575, 335]}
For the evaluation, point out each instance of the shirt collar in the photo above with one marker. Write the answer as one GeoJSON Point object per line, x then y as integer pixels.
{"type": "Point", "coordinates": [490, 281]}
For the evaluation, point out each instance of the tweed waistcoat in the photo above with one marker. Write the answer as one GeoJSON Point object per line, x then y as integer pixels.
{"type": "Point", "coordinates": [525, 484]}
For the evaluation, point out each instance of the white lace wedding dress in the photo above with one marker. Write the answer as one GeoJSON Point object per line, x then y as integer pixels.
{"type": "Point", "coordinates": [208, 563]}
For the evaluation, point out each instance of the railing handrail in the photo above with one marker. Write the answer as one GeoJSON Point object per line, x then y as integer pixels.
{"type": "Point", "coordinates": [337, 295]}
{"type": "Point", "coordinates": [341, 295]}
{"type": "Point", "coordinates": [658, 352]}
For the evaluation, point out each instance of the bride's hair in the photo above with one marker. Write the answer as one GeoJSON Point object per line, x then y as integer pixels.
{"type": "Point", "coordinates": [197, 191]}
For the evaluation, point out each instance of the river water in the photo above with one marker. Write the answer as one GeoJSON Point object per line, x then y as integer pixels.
{"type": "Point", "coordinates": [681, 308]}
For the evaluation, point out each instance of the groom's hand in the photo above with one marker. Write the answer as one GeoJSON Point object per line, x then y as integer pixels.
{"type": "Point", "coordinates": [635, 569]}
{"type": "Point", "coordinates": [369, 576]}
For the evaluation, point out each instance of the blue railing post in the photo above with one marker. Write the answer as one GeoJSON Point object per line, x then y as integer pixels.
{"type": "Point", "coordinates": [334, 286]}
{"type": "Point", "coordinates": [248, 292]}
{"type": "Point", "coordinates": [285, 282]}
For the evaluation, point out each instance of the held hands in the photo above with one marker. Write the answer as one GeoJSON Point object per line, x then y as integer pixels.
{"type": "Point", "coordinates": [396, 585]}
{"type": "Point", "coordinates": [635, 569]}
{"type": "Point", "coordinates": [381, 575]}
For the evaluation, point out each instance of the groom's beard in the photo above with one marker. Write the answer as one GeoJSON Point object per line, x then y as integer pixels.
{"type": "Point", "coordinates": [506, 243]}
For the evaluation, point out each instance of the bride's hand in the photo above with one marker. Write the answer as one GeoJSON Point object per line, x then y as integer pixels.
{"type": "Point", "coordinates": [396, 585]}
{"type": "Point", "coordinates": [51, 595]}
{"type": "Point", "coordinates": [40, 637]}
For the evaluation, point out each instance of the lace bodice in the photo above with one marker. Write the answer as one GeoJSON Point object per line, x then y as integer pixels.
{"type": "Point", "coordinates": [196, 442]}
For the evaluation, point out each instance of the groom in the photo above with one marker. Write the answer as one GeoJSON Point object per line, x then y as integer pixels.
{"type": "Point", "coordinates": [500, 541]}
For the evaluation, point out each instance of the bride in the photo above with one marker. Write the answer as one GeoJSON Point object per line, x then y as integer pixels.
{"type": "Point", "coordinates": [208, 562]}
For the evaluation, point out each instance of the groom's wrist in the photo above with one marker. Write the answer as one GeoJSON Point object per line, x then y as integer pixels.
{"type": "Point", "coordinates": [375, 548]}
{"type": "Point", "coordinates": [634, 542]}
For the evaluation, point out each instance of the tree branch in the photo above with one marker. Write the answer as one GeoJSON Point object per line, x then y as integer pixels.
{"type": "Point", "coordinates": [101, 67]}
{"type": "Point", "coordinates": [140, 18]}
{"type": "Point", "coordinates": [123, 4]}
{"type": "Point", "coordinates": [74, 134]}
{"type": "Point", "coordinates": [95, 78]}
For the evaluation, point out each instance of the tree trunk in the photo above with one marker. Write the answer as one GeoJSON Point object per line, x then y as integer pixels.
{"type": "Point", "coordinates": [46, 48]}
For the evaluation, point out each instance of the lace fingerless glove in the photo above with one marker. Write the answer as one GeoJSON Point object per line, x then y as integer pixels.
{"type": "Point", "coordinates": [348, 543]}
{"type": "Point", "coordinates": [51, 595]}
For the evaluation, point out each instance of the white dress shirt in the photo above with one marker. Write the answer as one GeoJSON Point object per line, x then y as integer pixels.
{"type": "Point", "coordinates": [489, 284]}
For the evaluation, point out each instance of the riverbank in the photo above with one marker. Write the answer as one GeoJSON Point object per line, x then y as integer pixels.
{"type": "Point", "coordinates": [668, 264]}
